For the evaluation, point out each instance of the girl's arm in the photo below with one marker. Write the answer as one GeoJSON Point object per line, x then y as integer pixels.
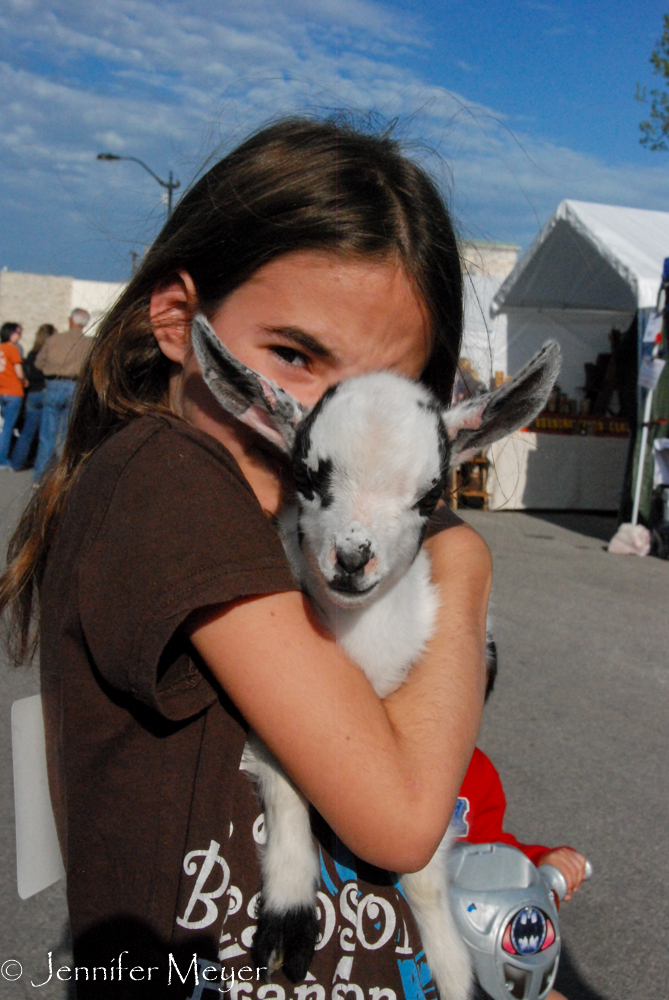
{"type": "Point", "coordinates": [384, 774]}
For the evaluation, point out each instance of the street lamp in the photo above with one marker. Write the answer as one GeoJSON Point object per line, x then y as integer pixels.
{"type": "Point", "coordinates": [171, 185]}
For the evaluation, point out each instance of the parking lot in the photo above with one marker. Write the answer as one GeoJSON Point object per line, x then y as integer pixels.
{"type": "Point", "coordinates": [577, 728]}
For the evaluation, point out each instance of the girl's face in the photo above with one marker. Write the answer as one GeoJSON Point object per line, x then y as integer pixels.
{"type": "Point", "coordinates": [308, 320]}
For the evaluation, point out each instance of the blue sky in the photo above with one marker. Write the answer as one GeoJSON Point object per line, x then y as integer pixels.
{"type": "Point", "coordinates": [516, 104]}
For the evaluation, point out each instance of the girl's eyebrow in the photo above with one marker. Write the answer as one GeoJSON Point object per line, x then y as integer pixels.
{"type": "Point", "coordinates": [302, 339]}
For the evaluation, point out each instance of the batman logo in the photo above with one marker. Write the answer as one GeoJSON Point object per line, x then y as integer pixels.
{"type": "Point", "coordinates": [528, 931]}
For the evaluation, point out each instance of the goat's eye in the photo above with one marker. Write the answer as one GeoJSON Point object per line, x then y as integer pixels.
{"type": "Point", "coordinates": [310, 482]}
{"type": "Point", "coordinates": [425, 506]}
{"type": "Point", "coordinates": [303, 480]}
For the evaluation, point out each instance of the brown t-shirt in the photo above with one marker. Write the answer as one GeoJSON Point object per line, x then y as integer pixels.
{"type": "Point", "coordinates": [159, 825]}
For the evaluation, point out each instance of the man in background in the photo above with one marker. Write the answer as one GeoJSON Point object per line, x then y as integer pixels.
{"type": "Point", "coordinates": [61, 359]}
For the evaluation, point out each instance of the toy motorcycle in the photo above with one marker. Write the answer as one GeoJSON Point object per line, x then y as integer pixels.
{"type": "Point", "coordinates": [507, 912]}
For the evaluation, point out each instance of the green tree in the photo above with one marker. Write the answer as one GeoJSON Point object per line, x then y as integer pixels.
{"type": "Point", "coordinates": [655, 130]}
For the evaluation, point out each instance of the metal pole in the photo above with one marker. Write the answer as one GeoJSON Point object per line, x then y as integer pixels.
{"type": "Point", "coordinates": [659, 344]}
{"type": "Point", "coordinates": [642, 455]}
{"type": "Point", "coordinates": [171, 185]}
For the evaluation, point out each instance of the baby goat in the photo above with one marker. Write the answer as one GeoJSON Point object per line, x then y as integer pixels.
{"type": "Point", "coordinates": [370, 464]}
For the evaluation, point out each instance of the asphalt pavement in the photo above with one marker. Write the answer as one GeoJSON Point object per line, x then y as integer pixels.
{"type": "Point", "coordinates": [577, 728]}
{"type": "Point", "coordinates": [31, 928]}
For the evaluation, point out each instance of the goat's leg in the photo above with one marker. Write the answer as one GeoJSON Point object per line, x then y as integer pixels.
{"type": "Point", "coordinates": [445, 951]}
{"type": "Point", "coordinates": [287, 924]}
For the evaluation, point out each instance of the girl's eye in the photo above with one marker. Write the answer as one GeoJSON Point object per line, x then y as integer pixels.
{"type": "Point", "coordinates": [291, 356]}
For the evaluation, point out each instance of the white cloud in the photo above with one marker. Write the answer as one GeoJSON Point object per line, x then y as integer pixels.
{"type": "Point", "coordinates": [169, 81]}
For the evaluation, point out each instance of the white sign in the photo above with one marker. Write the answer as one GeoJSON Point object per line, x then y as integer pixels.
{"type": "Point", "coordinates": [38, 860]}
{"type": "Point", "coordinates": [650, 371]}
{"type": "Point", "coordinates": [653, 327]}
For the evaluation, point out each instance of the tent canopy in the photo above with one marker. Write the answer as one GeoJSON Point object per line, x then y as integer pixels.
{"type": "Point", "coordinates": [590, 256]}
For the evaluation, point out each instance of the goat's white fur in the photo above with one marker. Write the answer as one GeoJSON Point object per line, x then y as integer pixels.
{"type": "Point", "coordinates": [382, 437]}
{"type": "Point", "coordinates": [384, 443]}
{"type": "Point", "coordinates": [290, 864]}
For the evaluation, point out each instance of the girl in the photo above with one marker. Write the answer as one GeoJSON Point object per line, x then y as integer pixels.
{"type": "Point", "coordinates": [169, 619]}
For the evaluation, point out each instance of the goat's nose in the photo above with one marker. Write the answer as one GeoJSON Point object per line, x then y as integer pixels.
{"type": "Point", "coordinates": [352, 560]}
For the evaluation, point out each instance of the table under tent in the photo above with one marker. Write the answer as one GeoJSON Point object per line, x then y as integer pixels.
{"type": "Point", "coordinates": [590, 280]}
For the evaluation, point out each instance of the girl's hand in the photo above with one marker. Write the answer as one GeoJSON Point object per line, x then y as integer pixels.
{"type": "Point", "coordinates": [571, 864]}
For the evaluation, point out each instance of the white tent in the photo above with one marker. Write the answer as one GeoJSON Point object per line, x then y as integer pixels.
{"type": "Point", "coordinates": [588, 271]}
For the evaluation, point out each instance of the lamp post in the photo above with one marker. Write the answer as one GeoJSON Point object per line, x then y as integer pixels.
{"type": "Point", "coordinates": [170, 185]}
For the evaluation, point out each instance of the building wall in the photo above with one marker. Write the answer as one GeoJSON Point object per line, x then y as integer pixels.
{"type": "Point", "coordinates": [496, 260]}
{"type": "Point", "coordinates": [484, 342]}
{"type": "Point", "coordinates": [33, 299]}
{"type": "Point", "coordinates": [97, 297]}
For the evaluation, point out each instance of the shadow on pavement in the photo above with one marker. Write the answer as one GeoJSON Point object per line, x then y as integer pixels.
{"type": "Point", "coordinates": [591, 524]}
{"type": "Point", "coordinates": [570, 982]}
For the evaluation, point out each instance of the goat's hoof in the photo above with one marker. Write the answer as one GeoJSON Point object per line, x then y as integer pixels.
{"type": "Point", "coordinates": [287, 939]}
{"type": "Point", "coordinates": [300, 931]}
{"type": "Point", "coordinates": [267, 949]}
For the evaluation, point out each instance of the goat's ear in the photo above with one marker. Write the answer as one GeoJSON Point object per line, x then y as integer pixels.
{"type": "Point", "coordinates": [250, 397]}
{"type": "Point", "coordinates": [477, 423]}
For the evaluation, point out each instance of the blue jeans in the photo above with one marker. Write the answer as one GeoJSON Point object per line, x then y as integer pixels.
{"type": "Point", "coordinates": [56, 404]}
{"type": "Point", "coordinates": [10, 407]}
{"type": "Point", "coordinates": [30, 428]}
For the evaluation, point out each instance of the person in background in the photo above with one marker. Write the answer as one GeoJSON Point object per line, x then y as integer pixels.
{"type": "Point", "coordinates": [11, 332]}
{"type": "Point", "coordinates": [15, 331]}
{"type": "Point", "coordinates": [11, 387]}
{"type": "Point", "coordinates": [479, 815]}
{"type": "Point", "coordinates": [467, 381]}
{"type": "Point", "coordinates": [34, 399]}
{"type": "Point", "coordinates": [60, 360]}
{"type": "Point", "coordinates": [478, 818]}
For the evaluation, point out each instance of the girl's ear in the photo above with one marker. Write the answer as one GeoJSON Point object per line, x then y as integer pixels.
{"type": "Point", "coordinates": [171, 311]}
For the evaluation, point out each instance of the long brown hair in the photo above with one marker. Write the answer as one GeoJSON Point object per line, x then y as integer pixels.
{"type": "Point", "coordinates": [298, 184]}
{"type": "Point", "coordinates": [44, 331]}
